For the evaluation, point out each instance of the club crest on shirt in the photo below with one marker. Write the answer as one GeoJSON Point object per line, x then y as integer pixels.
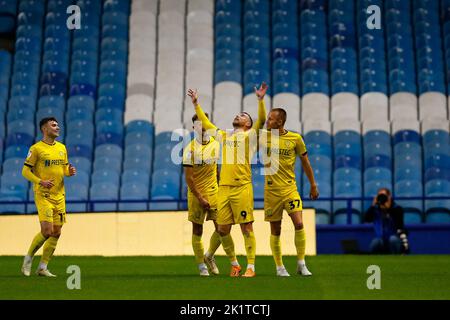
{"type": "Point", "coordinates": [288, 144]}
{"type": "Point", "coordinates": [61, 154]}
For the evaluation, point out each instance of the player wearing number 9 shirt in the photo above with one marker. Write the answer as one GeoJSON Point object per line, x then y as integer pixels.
{"type": "Point", "coordinates": [280, 190]}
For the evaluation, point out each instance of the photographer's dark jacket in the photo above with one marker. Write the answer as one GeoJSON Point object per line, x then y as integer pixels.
{"type": "Point", "coordinates": [386, 221]}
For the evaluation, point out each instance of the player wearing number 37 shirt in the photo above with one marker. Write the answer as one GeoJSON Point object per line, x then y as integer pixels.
{"type": "Point", "coordinates": [280, 189]}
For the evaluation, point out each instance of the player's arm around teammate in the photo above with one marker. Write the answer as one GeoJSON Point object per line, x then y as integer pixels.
{"type": "Point", "coordinates": [200, 166]}
{"type": "Point", "coordinates": [281, 191]}
{"type": "Point", "coordinates": [45, 166]}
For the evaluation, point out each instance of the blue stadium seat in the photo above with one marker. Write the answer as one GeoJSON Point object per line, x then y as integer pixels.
{"type": "Point", "coordinates": [165, 185]}
{"type": "Point", "coordinates": [109, 114]}
{"type": "Point", "coordinates": [137, 164]}
{"type": "Point", "coordinates": [108, 175]}
{"type": "Point", "coordinates": [13, 164]}
{"type": "Point", "coordinates": [81, 164]}
{"type": "Point", "coordinates": [134, 191]}
{"type": "Point", "coordinates": [108, 150]}
{"type": "Point", "coordinates": [141, 176]}
{"type": "Point", "coordinates": [138, 150]}
{"type": "Point", "coordinates": [80, 151]}
{"type": "Point", "coordinates": [138, 137]}
{"type": "Point", "coordinates": [113, 164]}
{"type": "Point", "coordinates": [413, 208]}
{"type": "Point", "coordinates": [104, 191]}
{"type": "Point", "coordinates": [76, 192]}
{"type": "Point", "coordinates": [19, 139]}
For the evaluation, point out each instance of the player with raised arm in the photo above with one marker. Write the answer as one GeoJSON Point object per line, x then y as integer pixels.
{"type": "Point", "coordinates": [46, 166]}
{"type": "Point", "coordinates": [280, 190]}
{"type": "Point", "coordinates": [200, 159]}
{"type": "Point", "coordinates": [235, 199]}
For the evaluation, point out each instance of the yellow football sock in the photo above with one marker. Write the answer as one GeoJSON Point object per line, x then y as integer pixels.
{"type": "Point", "coordinates": [275, 245]}
{"type": "Point", "coordinates": [250, 247]}
{"type": "Point", "coordinates": [49, 248]}
{"type": "Point", "coordinates": [37, 242]}
{"type": "Point", "coordinates": [228, 247]}
{"type": "Point", "coordinates": [197, 245]}
{"type": "Point", "coordinates": [300, 243]}
{"type": "Point", "coordinates": [214, 243]}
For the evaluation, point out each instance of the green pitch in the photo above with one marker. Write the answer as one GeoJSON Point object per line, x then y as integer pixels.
{"type": "Point", "coordinates": [334, 277]}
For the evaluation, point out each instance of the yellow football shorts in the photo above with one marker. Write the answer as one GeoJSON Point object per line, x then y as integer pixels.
{"type": "Point", "coordinates": [196, 212]}
{"type": "Point", "coordinates": [275, 201]}
{"type": "Point", "coordinates": [235, 204]}
{"type": "Point", "coordinates": [50, 210]}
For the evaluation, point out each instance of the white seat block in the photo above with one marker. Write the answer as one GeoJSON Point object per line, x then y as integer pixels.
{"type": "Point", "coordinates": [349, 124]}
{"type": "Point", "coordinates": [432, 105]}
{"type": "Point", "coordinates": [228, 88]}
{"type": "Point", "coordinates": [139, 101]}
{"type": "Point", "coordinates": [200, 43]}
{"type": "Point", "coordinates": [167, 124]}
{"type": "Point", "coordinates": [138, 107]}
{"type": "Point", "coordinates": [178, 6]}
{"type": "Point", "coordinates": [374, 124]}
{"type": "Point", "coordinates": [315, 106]}
{"type": "Point", "coordinates": [316, 125]}
{"type": "Point", "coordinates": [250, 104]}
{"type": "Point", "coordinates": [144, 6]}
{"type": "Point", "coordinates": [170, 19]}
{"type": "Point", "coordinates": [374, 105]}
{"type": "Point", "coordinates": [405, 124]}
{"type": "Point", "coordinates": [403, 105]}
{"type": "Point", "coordinates": [140, 88]}
{"type": "Point", "coordinates": [344, 105]}
{"type": "Point", "coordinates": [200, 17]}
{"type": "Point", "coordinates": [201, 5]}
{"type": "Point", "coordinates": [434, 124]}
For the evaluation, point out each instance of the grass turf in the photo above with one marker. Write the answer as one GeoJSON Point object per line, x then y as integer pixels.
{"type": "Point", "coordinates": [158, 278]}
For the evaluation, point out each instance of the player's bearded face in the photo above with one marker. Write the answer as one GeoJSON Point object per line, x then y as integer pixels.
{"type": "Point", "coordinates": [240, 120]}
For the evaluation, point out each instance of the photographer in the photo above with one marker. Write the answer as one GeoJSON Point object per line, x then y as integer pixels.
{"type": "Point", "coordinates": [387, 218]}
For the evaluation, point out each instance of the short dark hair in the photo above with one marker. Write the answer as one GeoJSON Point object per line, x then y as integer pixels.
{"type": "Point", "coordinates": [385, 189]}
{"type": "Point", "coordinates": [45, 120]}
{"type": "Point", "coordinates": [195, 117]}
{"type": "Point", "coordinates": [250, 117]}
{"type": "Point", "coordinates": [282, 114]}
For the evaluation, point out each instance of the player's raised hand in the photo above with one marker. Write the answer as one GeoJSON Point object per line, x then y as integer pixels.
{"type": "Point", "coordinates": [314, 192]}
{"type": "Point", "coordinates": [72, 170]}
{"type": "Point", "coordinates": [261, 92]}
{"type": "Point", "coordinates": [193, 94]}
{"type": "Point", "coordinates": [47, 183]}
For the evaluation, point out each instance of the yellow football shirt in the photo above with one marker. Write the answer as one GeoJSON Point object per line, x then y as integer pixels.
{"type": "Point", "coordinates": [238, 148]}
{"type": "Point", "coordinates": [49, 162]}
{"type": "Point", "coordinates": [203, 157]}
{"type": "Point", "coordinates": [290, 145]}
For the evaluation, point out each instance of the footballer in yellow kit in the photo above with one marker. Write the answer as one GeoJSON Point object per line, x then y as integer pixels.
{"type": "Point", "coordinates": [235, 200]}
{"type": "Point", "coordinates": [280, 191]}
{"type": "Point", "coordinates": [200, 158]}
{"type": "Point", "coordinates": [49, 161]}
{"type": "Point", "coordinates": [45, 166]}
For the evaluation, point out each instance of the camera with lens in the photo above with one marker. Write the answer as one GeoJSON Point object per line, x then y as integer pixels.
{"type": "Point", "coordinates": [382, 199]}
